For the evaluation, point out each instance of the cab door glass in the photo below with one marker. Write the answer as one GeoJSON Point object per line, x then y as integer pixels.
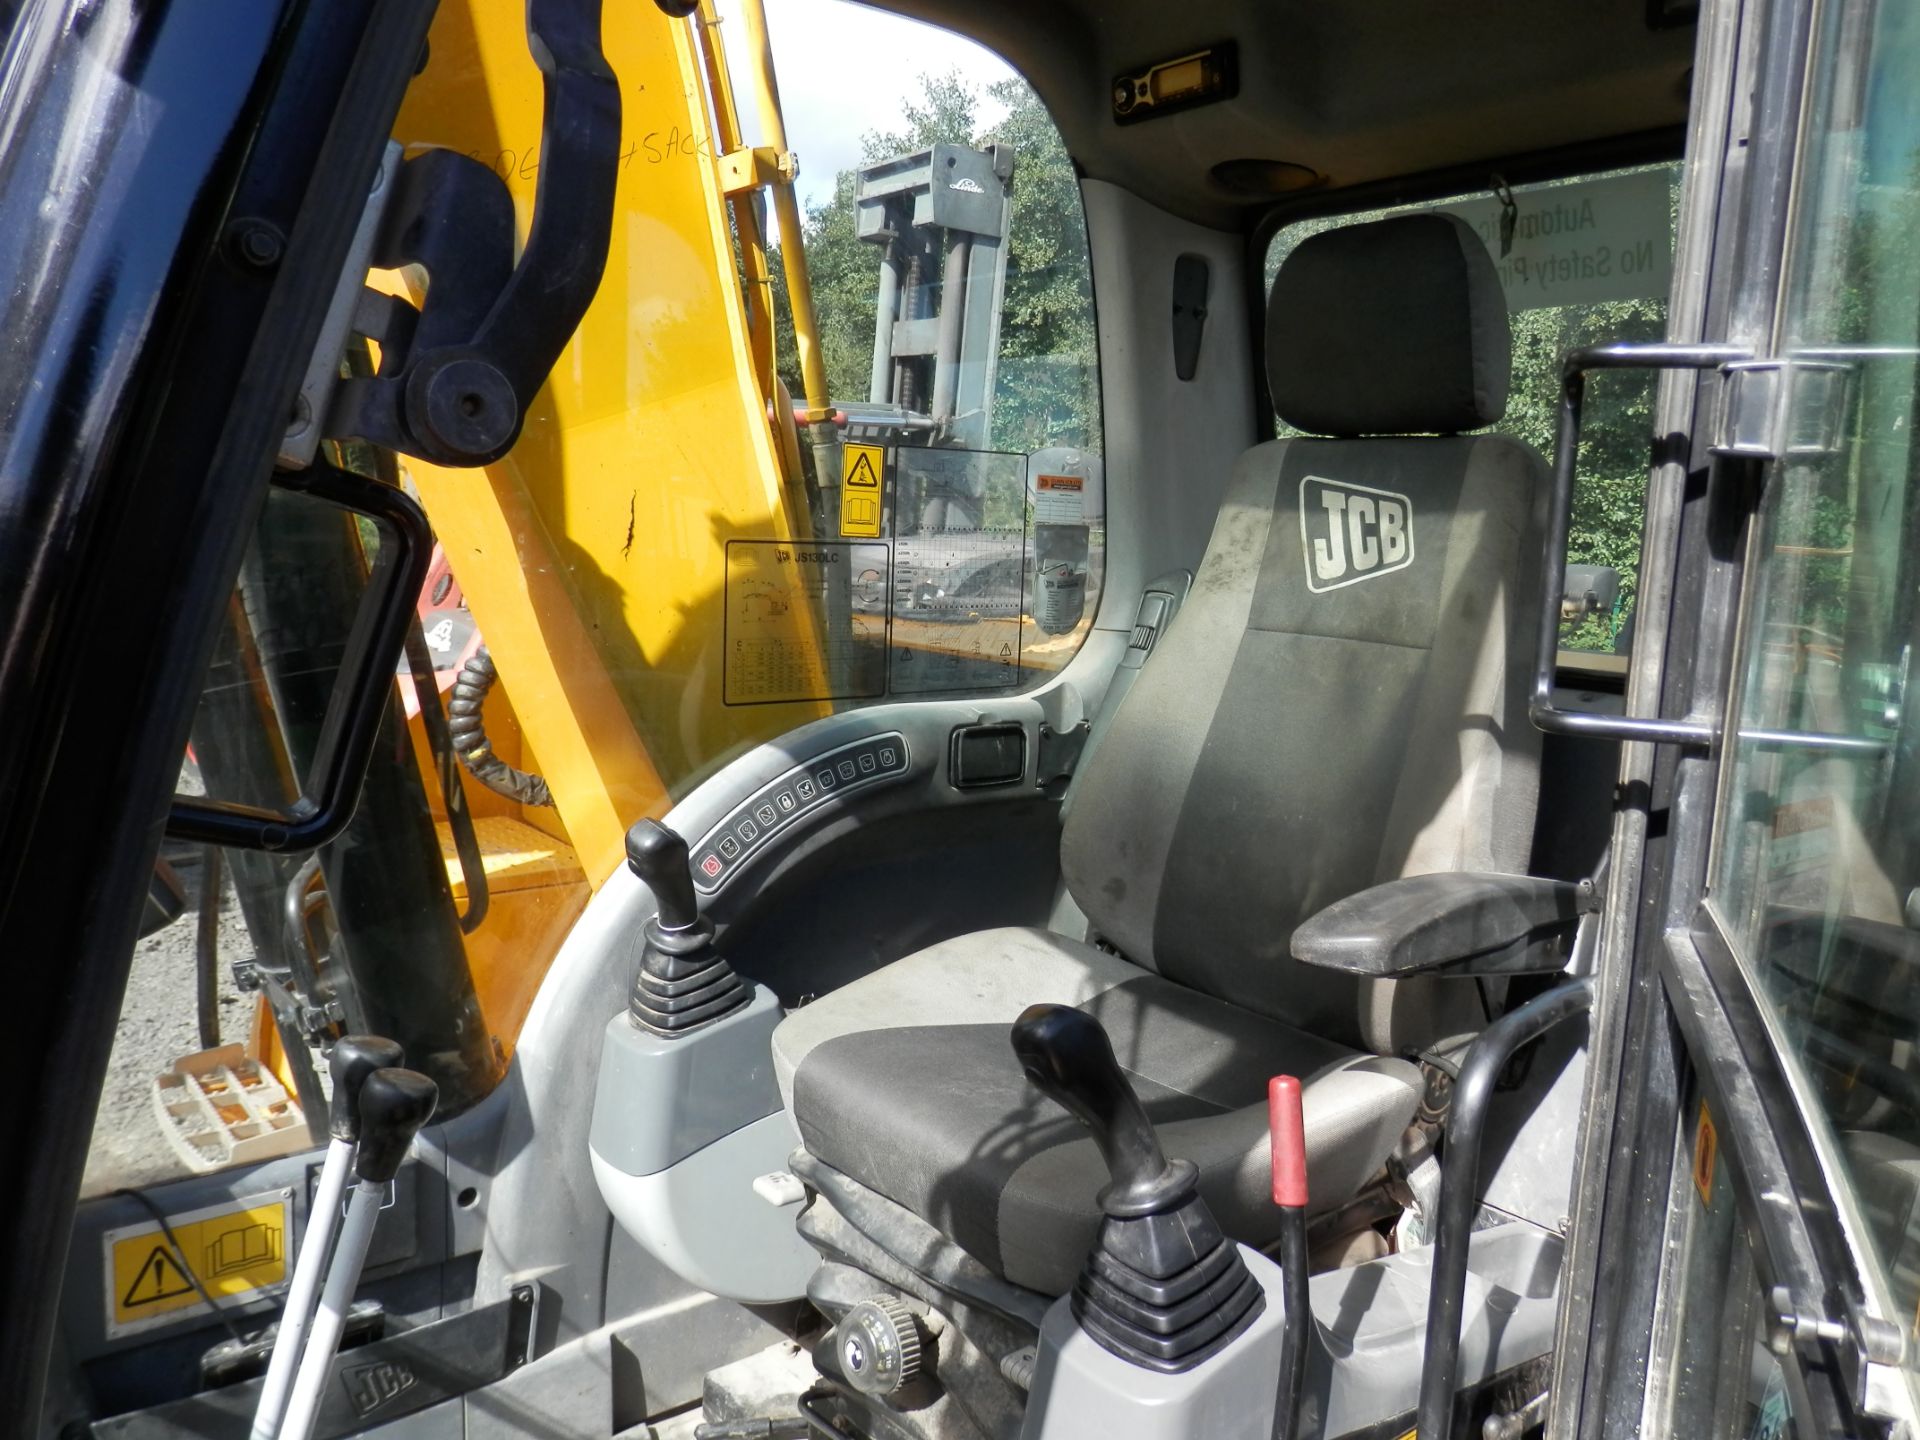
{"type": "Point", "coordinates": [429, 920]}
{"type": "Point", "coordinates": [1721, 1380]}
{"type": "Point", "coordinates": [1816, 876]}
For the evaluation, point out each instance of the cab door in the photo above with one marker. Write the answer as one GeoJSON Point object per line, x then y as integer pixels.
{"type": "Point", "coordinates": [1759, 1115]}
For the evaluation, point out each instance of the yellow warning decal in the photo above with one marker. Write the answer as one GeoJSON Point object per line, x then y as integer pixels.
{"type": "Point", "coordinates": [1706, 1150]}
{"type": "Point", "coordinates": [236, 1251]}
{"type": "Point", "coordinates": [861, 467]}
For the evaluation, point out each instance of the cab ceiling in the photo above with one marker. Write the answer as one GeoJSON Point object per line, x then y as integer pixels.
{"type": "Point", "coordinates": [1355, 91]}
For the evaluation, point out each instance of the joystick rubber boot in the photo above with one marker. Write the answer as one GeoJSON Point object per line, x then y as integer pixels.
{"type": "Point", "coordinates": [1163, 1288]}
{"type": "Point", "coordinates": [683, 982]}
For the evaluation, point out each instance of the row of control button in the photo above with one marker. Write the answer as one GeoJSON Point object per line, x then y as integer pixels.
{"type": "Point", "coordinates": [729, 844]}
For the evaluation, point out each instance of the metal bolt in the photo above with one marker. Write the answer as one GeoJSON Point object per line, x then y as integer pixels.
{"type": "Point", "coordinates": [1881, 1342]}
{"type": "Point", "coordinates": [257, 243]}
{"type": "Point", "coordinates": [465, 406]}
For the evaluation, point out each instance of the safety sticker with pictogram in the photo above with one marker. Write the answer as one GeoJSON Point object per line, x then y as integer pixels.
{"type": "Point", "coordinates": [231, 1253]}
{"type": "Point", "coordinates": [862, 468]}
{"type": "Point", "coordinates": [1706, 1153]}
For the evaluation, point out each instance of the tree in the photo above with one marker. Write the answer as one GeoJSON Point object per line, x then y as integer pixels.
{"type": "Point", "coordinates": [1609, 495]}
{"type": "Point", "coordinates": [1048, 391]}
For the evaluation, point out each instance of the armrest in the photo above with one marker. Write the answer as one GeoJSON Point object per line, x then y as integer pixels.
{"type": "Point", "coordinates": [1457, 923]}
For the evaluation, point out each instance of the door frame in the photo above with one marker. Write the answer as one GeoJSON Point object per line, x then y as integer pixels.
{"type": "Point", "coordinates": [127, 493]}
{"type": "Point", "coordinates": [1675, 1004]}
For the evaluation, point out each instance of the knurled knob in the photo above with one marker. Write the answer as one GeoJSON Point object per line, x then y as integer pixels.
{"type": "Point", "coordinates": [880, 1346]}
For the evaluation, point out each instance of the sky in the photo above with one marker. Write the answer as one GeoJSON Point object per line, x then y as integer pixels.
{"type": "Point", "coordinates": [844, 70]}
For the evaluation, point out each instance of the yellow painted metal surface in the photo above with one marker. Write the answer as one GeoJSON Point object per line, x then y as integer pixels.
{"type": "Point", "coordinates": [535, 891]}
{"type": "Point", "coordinates": [593, 556]}
{"type": "Point", "coordinates": [514, 855]}
{"type": "Point", "coordinates": [786, 210]}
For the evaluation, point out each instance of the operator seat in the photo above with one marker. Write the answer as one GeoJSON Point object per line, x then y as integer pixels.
{"type": "Point", "coordinates": [1341, 702]}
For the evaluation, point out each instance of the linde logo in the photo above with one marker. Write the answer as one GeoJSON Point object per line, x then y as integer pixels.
{"type": "Point", "coordinates": [967, 184]}
{"type": "Point", "coordinates": [1350, 533]}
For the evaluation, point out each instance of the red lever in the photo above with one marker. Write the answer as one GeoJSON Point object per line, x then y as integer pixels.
{"type": "Point", "coordinates": [1288, 1130]}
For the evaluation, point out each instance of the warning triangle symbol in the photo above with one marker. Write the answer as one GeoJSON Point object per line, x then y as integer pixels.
{"type": "Point", "coordinates": [860, 475]}
{"type": "Point", "coordinates": [160, 1278]}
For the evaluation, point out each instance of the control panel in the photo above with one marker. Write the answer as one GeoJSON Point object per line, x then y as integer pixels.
{"type": "Point", "coordinates": [799, 792]}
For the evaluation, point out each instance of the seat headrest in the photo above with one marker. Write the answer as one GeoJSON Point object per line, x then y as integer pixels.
{"type": "Point", "coordinates": [1397, 327]}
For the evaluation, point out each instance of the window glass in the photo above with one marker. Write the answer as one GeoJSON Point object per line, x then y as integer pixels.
{"type": "Point", "coordinates": [1584, 261]}
{"type": "Point", "coordinates": [1818, 855]}
{"type": "Point", "coordinates": [1718, 1380]}
{"type": "Point", "coordinates": [656, 578]}
{"type": "Point", "coordinates": [428, 921]}
{"type": "Point", "coordinates": [991, 505]}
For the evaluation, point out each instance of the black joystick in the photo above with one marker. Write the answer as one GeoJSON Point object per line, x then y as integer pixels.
{"type": "Point", "coordinates": [660, 857]}
{"type": "Point", "coordinates": [1164, 1288]}
{"type": "Point", "coordinates": [354, 1058]}
{"type": "Point", "coordinates": [394, 1104]}
{"type": "Point", "coordinates": [683, 981]}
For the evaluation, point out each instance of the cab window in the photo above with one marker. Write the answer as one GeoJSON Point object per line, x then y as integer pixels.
{"type": "Point", "coordinates": [989, 458]}
{"type": "Point", "coordinates": [658, 578]}
{"type": "Point", "coordinates": [1816, 873]}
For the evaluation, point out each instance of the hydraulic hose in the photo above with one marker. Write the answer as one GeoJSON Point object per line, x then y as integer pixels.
{"type": "Point", "coordinates": [470, 741]}
{"type": "Point", "coordinates": [1293, 1339]}
{"type": "Point", "coordinates": [206, 949]}
{"type": "Point", "coordinates": [439, 734]}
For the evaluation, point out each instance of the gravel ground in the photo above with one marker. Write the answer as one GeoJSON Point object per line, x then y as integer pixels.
{"type": "Point", "coordinates": [157, 1026]}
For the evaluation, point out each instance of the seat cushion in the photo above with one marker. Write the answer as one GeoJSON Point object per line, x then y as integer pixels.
{"type": "Point", "coordinates": [906, 1081]}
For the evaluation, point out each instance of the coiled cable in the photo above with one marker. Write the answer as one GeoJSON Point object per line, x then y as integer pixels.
{"type": "Point", "coordinates": [470, 741]}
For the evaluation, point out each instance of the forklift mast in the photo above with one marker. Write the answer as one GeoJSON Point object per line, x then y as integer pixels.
{"type": "Point", "coordinates": [939, 217]}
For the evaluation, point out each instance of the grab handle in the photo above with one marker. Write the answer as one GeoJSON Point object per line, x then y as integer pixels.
{"type": "Point", "coordinates": [1574, 369]}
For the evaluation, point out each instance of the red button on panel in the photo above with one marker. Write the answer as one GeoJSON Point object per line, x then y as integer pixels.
{"type": "Point", "coordinates": [710, 864]}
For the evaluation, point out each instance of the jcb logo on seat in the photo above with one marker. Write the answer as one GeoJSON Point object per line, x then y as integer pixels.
{"type": "Point", "coordinates": [1350, 533]}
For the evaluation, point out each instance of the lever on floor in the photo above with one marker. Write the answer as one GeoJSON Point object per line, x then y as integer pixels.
{"type": "Point", "coordinates": [354, 1058]}
{"type": "Point", "coordinates": [394, 1104]}
{"type": "Point", "coordinates": [1163, 1288]}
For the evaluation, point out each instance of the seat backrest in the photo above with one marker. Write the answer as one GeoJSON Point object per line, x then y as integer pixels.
{"type": "Point", "coordinates": [1342, 699]}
